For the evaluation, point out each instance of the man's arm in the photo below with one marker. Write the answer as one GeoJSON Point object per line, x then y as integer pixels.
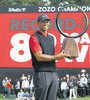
{"type": "Point", "coordinates": [44, 57]}
{"type": "Point", "coordinates": [37, 51]}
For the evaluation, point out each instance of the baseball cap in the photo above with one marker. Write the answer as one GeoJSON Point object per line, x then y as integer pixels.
{"type": "Point", "coordinates": [83, 70]}
{"type": "Point", "coordinates": [43, 17]}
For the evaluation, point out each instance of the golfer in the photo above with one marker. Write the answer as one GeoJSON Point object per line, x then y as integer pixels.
{"type": "Point", "coordinates": [43, 60]}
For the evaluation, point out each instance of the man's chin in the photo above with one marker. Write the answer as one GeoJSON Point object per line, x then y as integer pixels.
{"type": "Point", "coordinates": [45, 29]}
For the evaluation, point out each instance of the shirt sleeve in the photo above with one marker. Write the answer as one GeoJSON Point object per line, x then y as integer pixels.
{"type": "Point", "coordinates": [34, 44]}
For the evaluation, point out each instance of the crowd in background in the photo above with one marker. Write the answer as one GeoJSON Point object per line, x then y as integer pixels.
{"type": "Point", "coordinates": [73, 86]}
{"type": "Point", "coordinates": [70, 86]}
{"type": "Point", "coordinates": [23, 89]}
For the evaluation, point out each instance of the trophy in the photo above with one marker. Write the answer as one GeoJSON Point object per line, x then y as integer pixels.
{"type": "Point", "coordinates": [70, 47]}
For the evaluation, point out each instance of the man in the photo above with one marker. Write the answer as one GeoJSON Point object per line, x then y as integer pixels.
{"type": "Point", "coordinates": [26, 96]}
{"type": "Point", "coordinates": [43, 60]}
{"type": "Point", "coordinates": [21, 79]}
{"type": "Point", "coordinates": [17, 87]}
{"type": "Point", "coordinates": [64, 88]}
{"type": "Point", "coordinates": [25, 85]}
{"type": "Point", "coordinates": [71, 88]}
{"type": "Point", "coordinates": [83, 84]}
{"type": "Point", "coordinates": [83, 81]}
{"type": "Point", "coordinates": [4, 83]}
{"type": "Point", "coordinates": [29, 78]}
{"type": "Point", "coordinates": [20, 95]}
{"type": "Point", "coordinates": [9, 86]}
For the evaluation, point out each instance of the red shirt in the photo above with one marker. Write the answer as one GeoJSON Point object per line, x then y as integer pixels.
{"type": "Point", "coordinates": [9, 85]}
{"type": "Point", "coordinates": [34, 44]}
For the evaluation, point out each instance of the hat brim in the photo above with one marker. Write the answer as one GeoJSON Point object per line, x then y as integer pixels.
{"type": "Point", "coordinates": [43, 20]}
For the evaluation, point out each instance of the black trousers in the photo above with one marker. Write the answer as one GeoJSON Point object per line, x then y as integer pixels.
{"type": "Point", "coordinates": [16, 91]}
{"type": "Point", "coordinates": [46, 85]}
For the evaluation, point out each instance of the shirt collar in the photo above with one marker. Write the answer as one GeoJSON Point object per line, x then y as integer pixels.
{"type": "Point", "coordinates": [42, 33]}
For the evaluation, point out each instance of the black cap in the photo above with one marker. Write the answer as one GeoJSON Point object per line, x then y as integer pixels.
{"type": "Point", "coordinates": [43, 17]}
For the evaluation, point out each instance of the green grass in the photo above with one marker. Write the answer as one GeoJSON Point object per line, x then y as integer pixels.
{"type": "Point", "coordinates": [79, 98]}
{"type": "Point", "coordinates": [1, 98]}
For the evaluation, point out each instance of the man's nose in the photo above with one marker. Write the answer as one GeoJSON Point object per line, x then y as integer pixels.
{"type": "Point", "coordinates": [45, 23]}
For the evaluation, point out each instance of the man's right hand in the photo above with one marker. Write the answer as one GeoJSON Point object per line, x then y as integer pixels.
{"type": "Point", "coordinates": [62, 55]}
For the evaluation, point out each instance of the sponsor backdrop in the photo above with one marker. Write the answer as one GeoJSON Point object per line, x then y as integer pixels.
{"type": "Point", "coordinates": [17, 24]}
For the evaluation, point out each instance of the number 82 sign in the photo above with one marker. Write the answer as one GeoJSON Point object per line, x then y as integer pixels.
{"type": "Point", "coordinates": [20, 51]}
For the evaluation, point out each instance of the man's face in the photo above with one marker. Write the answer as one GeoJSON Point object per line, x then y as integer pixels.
{"type": "Point", "coordinates": [6, 78]}
{"type": "Point", "coordinates": [22, 75]}
{"type": "Point", "coordinates": [28, 76]}
{"type": "Point", "coordinates": [78, 75]}
{"type": "Point", "coordinates": [44, 25]}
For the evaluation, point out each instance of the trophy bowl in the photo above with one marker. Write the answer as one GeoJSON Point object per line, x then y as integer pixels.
{"type": "Point", "coordinates": [70, 47]}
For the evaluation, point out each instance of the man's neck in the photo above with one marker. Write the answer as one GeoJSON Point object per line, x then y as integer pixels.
{"type": "Point", "coordinates": [44, 32]}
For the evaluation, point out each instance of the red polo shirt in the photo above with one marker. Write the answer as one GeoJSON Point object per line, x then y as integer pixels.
{"type": "Point", "coordinates": [34, 44]}
{"type": "Point", "coordinates": [9, 85]}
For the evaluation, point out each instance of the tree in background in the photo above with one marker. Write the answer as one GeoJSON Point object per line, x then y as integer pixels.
{"type": "Point", "coordinates": [6, 2]}
{"type": "Point", "coordinates": [41, 2]}
{"type": "Point", "coordinates": [33, 2]}
{"type": "Point", "coordinates": [22, 2]}
{"type": "Point", "coordinates": [77, 2]}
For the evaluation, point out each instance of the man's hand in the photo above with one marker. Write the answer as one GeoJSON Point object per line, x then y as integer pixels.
{"type": "Point", "coordinates": [62, 55]}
